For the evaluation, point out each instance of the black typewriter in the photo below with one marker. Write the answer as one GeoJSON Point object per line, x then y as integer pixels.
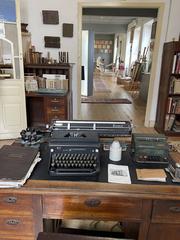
{"type": "Point", "coordinates": [74, 153]}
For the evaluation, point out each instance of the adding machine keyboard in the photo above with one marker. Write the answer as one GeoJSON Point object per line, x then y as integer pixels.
{"type": "Point", "coordinates": [152, 159]}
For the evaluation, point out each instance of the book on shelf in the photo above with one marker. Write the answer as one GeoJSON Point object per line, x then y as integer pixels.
{"type": "Point", "coordinates": [177, 108]}
{"type": "Point", "coordinates": [169, 103]}
{"type": "Point", "coordinates": [174, 87]}
{"type": "Point", "coordinates": [177, 86]}
{"type": "Point", "coordinates": [176, 64]}
{"type": "Point", "coordinates": [176, 126]}
{"type": "Point", "coordinates": [169, 121]}
{"type": "Point", "coordinates": [17, 164]}
{"type": "Point", "coordinates": [173, 105]}
{"type": "Point", "coordinates": [151, 175]}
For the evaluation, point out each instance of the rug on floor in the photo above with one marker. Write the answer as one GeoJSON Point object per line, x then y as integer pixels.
{"type": "Point", "coordinates": [105, 100]}
{"type": "Point", "coordinates": [100, 86]}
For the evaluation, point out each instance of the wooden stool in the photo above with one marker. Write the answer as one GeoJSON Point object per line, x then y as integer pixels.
{"type": "Point", "coordinates": [64, 236]}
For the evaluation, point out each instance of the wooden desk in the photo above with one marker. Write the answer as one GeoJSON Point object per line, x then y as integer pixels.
{"type": "Point", "coordinates": [155, 209]}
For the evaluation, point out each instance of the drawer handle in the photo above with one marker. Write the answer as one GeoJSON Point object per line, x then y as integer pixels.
{"type": "Point", "coordinates": [12, 222]}
{"type": "Point", "coordinates": [55, 110]}
{"type": "Point", "coordinates": [11, 199]}
{"type": "Point", "coordinates": [92, 202]}
{"type": "Point", "coordinates": [175, 209]}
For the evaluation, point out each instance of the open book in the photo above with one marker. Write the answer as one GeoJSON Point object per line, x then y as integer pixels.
{"type": "Point", "coordinates": [17, 164]}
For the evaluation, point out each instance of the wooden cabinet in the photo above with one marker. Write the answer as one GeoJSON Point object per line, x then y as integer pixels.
{"type": "Point", "coordinates": [165, 222]}
{"type": "Point", "coordinates": [42, 109]}
{"type": "Point", "coordinates": [166, 211]}
{"type": "Point", "coordinates": [164, 232]}
{"type": "Point", "coordinates": [168, 108]}
{"type": "Point", "coordinates": [20, 216]}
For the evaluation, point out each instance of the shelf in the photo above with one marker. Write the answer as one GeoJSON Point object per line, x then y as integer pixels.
{"type": "Point", "coordinates": [172, 133]}
{"type": "Point", "coordinates": [175, 75]}
{"type": "Point", "coordinates": [6, 66]}
{"type": "Point", "coordinates": [48, 66]}
{"type": "Point", "coordinates": [172, 113]}
{"type": "Point", "coordinates": [174, 95]}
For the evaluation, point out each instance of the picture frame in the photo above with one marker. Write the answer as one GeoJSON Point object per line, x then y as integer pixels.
{"type": "Point", "coordinates": [50, 17]}
{"type": "Point", "coordinates": [52, 42]}
{"type": "Point", "coordinates": [67, 29]}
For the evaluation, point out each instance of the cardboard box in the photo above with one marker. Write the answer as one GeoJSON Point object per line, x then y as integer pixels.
{"type": "Point", "coordinates": [61, 84]}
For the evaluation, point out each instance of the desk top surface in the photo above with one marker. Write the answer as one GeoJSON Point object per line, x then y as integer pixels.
{"type": "Point", "coordinates": [41, 182]}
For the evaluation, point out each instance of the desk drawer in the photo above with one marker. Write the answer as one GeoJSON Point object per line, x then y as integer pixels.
{"type": "Point", "coordinates": [21, 204]}
{"type": "Point", "coordinates": [166, 211]}
{"type": "Point", "coordinates": [55, 116]}
{"type": "Point", "coordinates": [11, 226]}
{"type": "Point", "coordinates": [91, 207]}
{"type": "Point", "coordinates": [56, 110]}
{"type": "Point", "coordinates": [55, 101]}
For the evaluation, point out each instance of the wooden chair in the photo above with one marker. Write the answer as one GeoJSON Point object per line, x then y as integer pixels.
{"type": "Point", "coordinates": [65, 236]}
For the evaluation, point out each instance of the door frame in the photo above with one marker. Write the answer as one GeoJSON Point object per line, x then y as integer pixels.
{"type": "Point", "coordinates": [158, 47]}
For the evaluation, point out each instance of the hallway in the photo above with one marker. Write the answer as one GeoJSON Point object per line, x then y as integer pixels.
{"type": "Point", "coordinates": [134, 112]}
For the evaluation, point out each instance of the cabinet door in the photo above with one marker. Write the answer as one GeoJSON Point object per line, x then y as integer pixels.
{"type": "Point", "coordinates": [12, 93]}
{"type": "Point", "coordinates": [12, 109]}
{"type": "Point", "coordinates": [164, 231]}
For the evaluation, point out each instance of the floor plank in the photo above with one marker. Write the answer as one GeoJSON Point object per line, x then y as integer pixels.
{"type": "Point", "coordinates": [134, 112]}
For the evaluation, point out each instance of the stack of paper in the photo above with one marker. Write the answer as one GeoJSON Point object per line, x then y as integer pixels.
{"type": "Point", "coordinates": [151, 175]}
{"type": "Point", "coordinates": [118, 174]}
{"type": "Point", "coordinates": [17, 164]}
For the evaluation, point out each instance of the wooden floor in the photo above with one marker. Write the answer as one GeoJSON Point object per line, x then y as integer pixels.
{"type": "Point", "coordinates": [134, 112]}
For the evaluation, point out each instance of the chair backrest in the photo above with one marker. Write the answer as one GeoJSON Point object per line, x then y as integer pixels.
{"type": "Point", "coordinates": [65, 236]}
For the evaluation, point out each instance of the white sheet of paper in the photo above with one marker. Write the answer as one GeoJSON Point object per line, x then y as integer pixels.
{"type": "Point", "coordinates": [118, 174]}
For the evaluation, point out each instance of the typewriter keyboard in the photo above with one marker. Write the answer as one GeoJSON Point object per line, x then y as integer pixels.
{"type": "Point", "coordinates": [69, 164]}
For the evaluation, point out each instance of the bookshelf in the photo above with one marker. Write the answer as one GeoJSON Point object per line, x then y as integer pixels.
{"type": "Point", "coordinates": [168, 108]}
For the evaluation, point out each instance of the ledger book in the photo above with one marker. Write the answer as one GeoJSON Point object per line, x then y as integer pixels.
{"type": "Point", "coordinates": [16, 165]}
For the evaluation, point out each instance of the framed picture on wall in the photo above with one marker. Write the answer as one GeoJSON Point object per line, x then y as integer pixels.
{"type": "Point", "coordinates": [67, 30]}
{"type": "Point", "coordinates": [50, 17]}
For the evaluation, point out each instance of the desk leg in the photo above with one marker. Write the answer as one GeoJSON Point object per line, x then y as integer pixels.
{"type": "Point", "coordinates": [37, 213]}
{"type": "Point", "coordinates": [130, 229]}
{"type": "Point", "coordinates": [146, 216]}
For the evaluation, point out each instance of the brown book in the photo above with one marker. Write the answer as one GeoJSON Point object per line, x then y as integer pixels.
{"type": "Point", "coordinates": [151, 175]}
{"type": "Point", "coordinates": [16, 161]}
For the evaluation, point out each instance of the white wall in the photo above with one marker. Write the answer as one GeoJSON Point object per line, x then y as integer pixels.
{"type": "Point", "coordinates": [31, 13]}
{"type": "Point", "coordinates": [68, 12]}
{"type": "Point", "coordinates": [173, 31]}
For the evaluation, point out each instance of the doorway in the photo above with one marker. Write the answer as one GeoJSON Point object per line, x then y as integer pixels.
{"type": "Point", "coordinates": [158, 48]}
{"type": "Point", "coordinates": [122, 48]}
